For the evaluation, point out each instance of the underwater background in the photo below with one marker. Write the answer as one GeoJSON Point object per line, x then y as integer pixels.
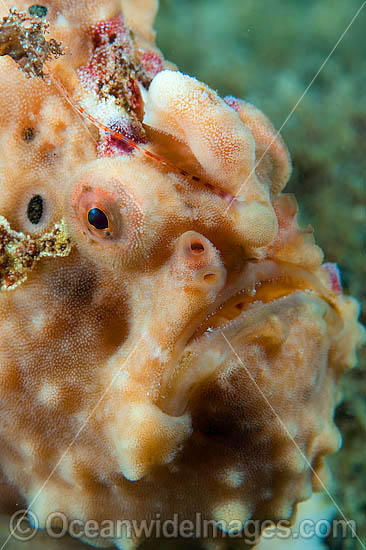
{"type": "Point", "coordinates": [268, 52]}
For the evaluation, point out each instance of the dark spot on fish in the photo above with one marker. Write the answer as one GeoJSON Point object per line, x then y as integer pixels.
{"type": "Point", "coordinates": [28, 134]}
{"type": "Point", "coordinates": [35, 209]}
{"type": "Point", "coordinates": [74, 284]}
{"type": "Point", "coordinates": [37, 11]}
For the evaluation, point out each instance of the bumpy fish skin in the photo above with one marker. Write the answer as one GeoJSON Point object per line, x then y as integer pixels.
{"type": "Point", "coordinates": [182, 354]}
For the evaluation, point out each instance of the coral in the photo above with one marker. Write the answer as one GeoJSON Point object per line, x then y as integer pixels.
{"type": "Point", "coordinates": [183, 355]}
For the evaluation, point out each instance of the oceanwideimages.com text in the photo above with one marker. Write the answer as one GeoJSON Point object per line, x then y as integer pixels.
{"type": "Point", "coordinates": [24, 525]}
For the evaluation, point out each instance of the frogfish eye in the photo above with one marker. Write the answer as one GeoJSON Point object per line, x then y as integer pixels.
{"type": "Point", "coordinates": [99, 213]}
{"type": "Point", "coordinates": [104, 213]}
{"type": "Point", "coordinates": [35, 209]}
{"type": "Point", "coordinates": [98, 219]}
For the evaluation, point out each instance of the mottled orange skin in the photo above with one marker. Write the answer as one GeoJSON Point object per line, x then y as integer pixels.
{"type": "Point", "coordinates": [120, 396]}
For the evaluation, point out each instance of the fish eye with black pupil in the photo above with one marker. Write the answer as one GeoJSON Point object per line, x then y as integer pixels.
{"type": "Point", "coordinates": [35, 209]}
{"type": "Point", "coordinates": [98, 219]}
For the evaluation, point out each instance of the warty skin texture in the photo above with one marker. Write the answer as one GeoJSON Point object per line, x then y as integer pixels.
{"type": "Point", "coordinates": [118, 385]}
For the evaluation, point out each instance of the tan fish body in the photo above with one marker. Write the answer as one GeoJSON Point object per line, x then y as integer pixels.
{"type": "Point", "coordinates": [175, 346]}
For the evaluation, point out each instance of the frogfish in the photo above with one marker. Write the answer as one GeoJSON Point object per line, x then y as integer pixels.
{"type": "Point", "coordinates": [171, 340]}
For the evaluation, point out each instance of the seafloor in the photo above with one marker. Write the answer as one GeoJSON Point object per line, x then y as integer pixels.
{"type": "Point", "coordinates": [268, 52]}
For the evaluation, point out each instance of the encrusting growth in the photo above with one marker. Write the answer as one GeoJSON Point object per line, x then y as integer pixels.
{"type": "Point", "coordinates": [171, 340]}
{"type": "Point", "coordinates": [18, 252]}
{"type": "Point", "coordinates": [23, 39]}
